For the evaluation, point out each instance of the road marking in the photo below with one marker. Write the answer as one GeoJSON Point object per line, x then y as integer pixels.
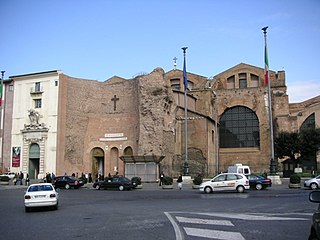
{"type": "Point", "coordinates": [204, 221]}
{"type": "Point", "coordinates": [260, 217]}
{"type": "Point", "coordinates": [178, 232]}
{"type": "Point", "coordinates": [213, 234]}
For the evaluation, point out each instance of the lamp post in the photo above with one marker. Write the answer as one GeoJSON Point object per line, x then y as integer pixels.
{"type": "Point", "coordinates": [2, 123]}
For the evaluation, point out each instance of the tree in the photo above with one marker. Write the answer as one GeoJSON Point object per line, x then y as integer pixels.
{"type": "Point", "coordinates": [287, 145]}
{"type": "Point", "coordinates": [309, 142]}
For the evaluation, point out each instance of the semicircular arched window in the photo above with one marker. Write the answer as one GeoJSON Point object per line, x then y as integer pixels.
{"type": "Point", "coordinates": [239, 128]}
{"type": "Point", "coordinates": [309, 123]}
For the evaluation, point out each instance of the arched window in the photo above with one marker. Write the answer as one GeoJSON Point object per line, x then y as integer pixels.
{"type": "Point", "coordinates": [309, 123]}
{"type": "Point", "coordinates": [239, 128]}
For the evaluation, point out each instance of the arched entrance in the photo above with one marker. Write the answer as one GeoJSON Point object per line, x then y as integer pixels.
{"type": "Point", "coordinates": [97, 162]}
{"type": "Point", "coordinates": [34, 161]}
{"type": "Point", "coordinates": [116, 165]}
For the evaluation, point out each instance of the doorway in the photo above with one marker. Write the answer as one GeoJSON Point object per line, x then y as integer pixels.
{"type": "Point", "coordinates": [34, 161]}
{"type": "Point", "coordinates": [98, 165]}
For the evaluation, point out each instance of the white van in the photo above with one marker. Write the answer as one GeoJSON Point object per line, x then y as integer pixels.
{"type": "Point", "coordinates": [239, 168]}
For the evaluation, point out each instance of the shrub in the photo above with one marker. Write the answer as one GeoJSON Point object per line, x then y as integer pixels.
{"type": "Point", "coordinates": [295, 179]}
{"type": "Point", "coordinates": [4, 179]}
{"type": "Point", "coordinates": [136, 180]}
{"type": "Point", "coordinates": [167, 180]}
{"type": "Point", "coordinates": [197, 180]}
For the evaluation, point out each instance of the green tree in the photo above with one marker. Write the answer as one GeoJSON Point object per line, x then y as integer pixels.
{"type": "Point", "coordinates": [309, 142]}
{"type": "Point", "coordinates": [287, 144]}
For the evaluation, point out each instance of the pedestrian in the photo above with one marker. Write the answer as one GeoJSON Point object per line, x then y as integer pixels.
{"type": "Point", "coordinates": [27, 179]}
{"type": "Point", "coordinates": [161, 178]}
{"type": "Point", "coordinates": [179, 181]}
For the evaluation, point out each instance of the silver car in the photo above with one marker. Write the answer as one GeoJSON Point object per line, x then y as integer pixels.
{"type": "Point", "coordinates": [314, 196]}
{"type": "Point", "coordinates": [313, 183]}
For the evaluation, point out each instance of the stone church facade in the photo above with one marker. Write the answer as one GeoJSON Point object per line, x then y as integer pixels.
{"type": "Point", "coordinates": [136, 126]}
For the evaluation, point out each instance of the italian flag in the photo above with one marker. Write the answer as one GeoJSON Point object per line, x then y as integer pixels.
{"type": "Point", "coordinates": [266, 66]}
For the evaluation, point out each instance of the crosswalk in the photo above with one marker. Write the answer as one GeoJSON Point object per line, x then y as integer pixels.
{"type": "Point", "coordinates": [219, 225]}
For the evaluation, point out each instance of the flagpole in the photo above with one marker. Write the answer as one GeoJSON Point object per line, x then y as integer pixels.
{"type": "Point", "coordinates": [273, 165]}
{"type": "Point", "coordinates": [185, 83]}
{"type": "Point", "coordinates": [2, 123]}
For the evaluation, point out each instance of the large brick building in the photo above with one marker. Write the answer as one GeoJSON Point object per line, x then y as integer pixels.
{"type": "Point", "coordinates": [61, 124]}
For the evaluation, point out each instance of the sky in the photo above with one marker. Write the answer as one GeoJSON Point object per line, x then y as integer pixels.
{"type": "Point", "coordinates": [99, 39]}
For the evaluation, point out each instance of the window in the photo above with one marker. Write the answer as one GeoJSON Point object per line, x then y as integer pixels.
{"type": "Point", "coordinates": [175, 83]}
{"type": "Point", "coordinates": [242, 80]}
{"type": "Point", "coordinates": [254, 80]}
{"type": "Point", "coordinates": [37, 103]}
{"type": "Point", "coordinates": [231, 82]}
{"type": "Point", "coordinates": [10, 88]}
{"type": "Point", "coordinates": [37, 87]}
{"type": "Point", "coordinates": [239, 128]}
{"type": "Point", "coordinates": [56, 83]}
{"type": "Point", "coordinates": [309, 123]}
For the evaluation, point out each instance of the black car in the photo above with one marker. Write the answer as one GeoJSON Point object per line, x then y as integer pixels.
{"type": "Point", "coordinates": [121, 183]}
{"type": "Point", "coordinates": [258, 182]}
{"type": "Point", "coordinates": [67, 182]}
{"type": "Point", "coordinates": [314, 196]}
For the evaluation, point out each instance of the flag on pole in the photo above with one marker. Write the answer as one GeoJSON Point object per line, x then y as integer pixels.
{"type": "Point", "coordinates": [266, 65]}
{"type": "Point", "coordinates": [185, 79]}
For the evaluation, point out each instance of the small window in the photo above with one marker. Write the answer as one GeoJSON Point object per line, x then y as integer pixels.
{"type": "Point", "coordinates": [37, 103]}
{"type": "Point", "coordinates": [37, 87]}
{"type": "Point", "coordinates": [231, 82]}
{"type": "Point", "coordinates": [56, 83]}
{"type": "Point", "coordinates": [11, 88]}
{"type": "Point", "coordinates": [242, 80]}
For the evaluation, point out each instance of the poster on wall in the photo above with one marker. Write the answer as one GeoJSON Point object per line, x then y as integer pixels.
{"type": "Point", "coordinates": [16, 156]}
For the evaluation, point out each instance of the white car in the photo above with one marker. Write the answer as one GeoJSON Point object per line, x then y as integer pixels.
{"type": "Point", "coordinates": [226, 182]}
{"type": "Point", "coordinates": [11, 175]}
{"type": "Point", "coordinates": [313, 183]}
{"type": "Point", "coordinates": [41, 195]}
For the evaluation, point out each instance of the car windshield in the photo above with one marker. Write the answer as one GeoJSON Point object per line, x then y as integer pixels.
{"type": "Point", "coordinates": [37, 188]}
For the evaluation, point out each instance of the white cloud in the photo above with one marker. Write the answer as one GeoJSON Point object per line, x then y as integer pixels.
{"type": "Point", "coordinates": [299, 92]}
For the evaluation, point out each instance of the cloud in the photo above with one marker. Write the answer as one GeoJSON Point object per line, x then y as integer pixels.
{"type": "Point", "coordinates": [299, 92]}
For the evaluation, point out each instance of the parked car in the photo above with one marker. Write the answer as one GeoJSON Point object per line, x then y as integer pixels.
{"type": "Point", "coordinates": [314, 196]}
{"type": "Point", "coordinates": [67, 182]}
{"type": "Point", "coordinates": [11, 175]}
{"type": "Point", "coordinates": [121, 183]}
{"type": "Point", "coordinates": [226, 182]}
{"type": "Point", "coordinates": [41, 195]}
{"type": "Point", "coordinates": [258, 182]}
{"type": "Point", "coordinates": [313, 183]}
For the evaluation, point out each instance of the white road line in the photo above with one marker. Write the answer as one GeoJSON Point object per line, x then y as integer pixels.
{"type": "Point", "coordinates": [253, 217]}
{"type": "Point", "coordinates": [179, 234]}
{"type": "Point", "coordinates": [214, 234]}
{"type": "Point", "coordinates": [204, 221]}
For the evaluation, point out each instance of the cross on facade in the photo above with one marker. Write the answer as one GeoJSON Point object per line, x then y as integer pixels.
{"type": "Point", "coordinates": [115, 99]}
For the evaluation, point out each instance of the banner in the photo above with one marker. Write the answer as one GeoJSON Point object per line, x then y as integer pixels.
{"type": "Point", "coordinates": [16, 156]}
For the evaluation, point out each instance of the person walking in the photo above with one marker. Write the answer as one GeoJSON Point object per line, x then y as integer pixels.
{"type": "Point", "coordinates": [161, 178]}
{"type": "Point", "coordinates": [179, 181]}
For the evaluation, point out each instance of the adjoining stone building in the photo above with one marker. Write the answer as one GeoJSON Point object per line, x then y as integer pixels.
{"type": "Point", "coordinates": [136, 126]}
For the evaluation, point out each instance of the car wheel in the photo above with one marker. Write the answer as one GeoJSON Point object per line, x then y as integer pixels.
{"type": "Point", "coordinates": [121, 188]}
{"type": "Point", "coordinates": [67, 186]}
{"type": "Point", "coordinates": [240, 189]}
{"type": "Point", "coordinates": [259, 186]}
{"type": "Point", "coordinates": [56, 207]}
{"type": "Point", "coordinates": [27, 209]}
{"type": "Point", "coordinates": [313, 186]}
{"type": "Point", "coordinates": [98, 187]}
{"type": "Point", "coordinates": [208, 190]}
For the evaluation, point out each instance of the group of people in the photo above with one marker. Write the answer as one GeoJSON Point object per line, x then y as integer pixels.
{"type": "Point", "coordinates": [179, 180]}
{"type": "Point", "coordinates": [18, 179]}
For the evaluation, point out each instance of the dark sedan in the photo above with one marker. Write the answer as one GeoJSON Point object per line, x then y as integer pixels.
{"type": "Point", "coordinates": [258, 182]}
{"type": "Point", "coordinates": [67, 182]}
{"type": "Point", "coordinates": [121, 183]}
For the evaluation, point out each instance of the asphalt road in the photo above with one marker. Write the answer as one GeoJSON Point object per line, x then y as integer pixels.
{"type": "Point", "coordinates": [153, 213]}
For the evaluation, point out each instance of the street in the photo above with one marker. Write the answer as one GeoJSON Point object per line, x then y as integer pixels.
{"type": "Point", "coordinates": [154, 213]}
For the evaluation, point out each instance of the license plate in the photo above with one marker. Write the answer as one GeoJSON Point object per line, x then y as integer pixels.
{"type": "Point", "coordinates": [40, 196]}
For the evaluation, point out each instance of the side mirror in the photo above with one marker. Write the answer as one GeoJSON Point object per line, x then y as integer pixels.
{"type": "Point", "coordinates": [314, 196]}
